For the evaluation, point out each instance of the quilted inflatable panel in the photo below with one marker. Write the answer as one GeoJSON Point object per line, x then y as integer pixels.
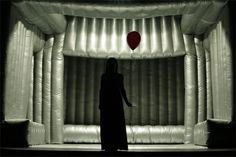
{"type": "Point", "coordinates": [215, 133]}
{"type": "Point", "coordinates": [135, 134]}
{"type": "Point", "coordinates": [81, 134]}
{"type": "Point", "coordinates": [22, 132]}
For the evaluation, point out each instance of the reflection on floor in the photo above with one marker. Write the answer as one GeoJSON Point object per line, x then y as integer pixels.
{"type": "Point", "coordinates": [135, 150]}
{"type": "Point", "coordinates": [132, 147]}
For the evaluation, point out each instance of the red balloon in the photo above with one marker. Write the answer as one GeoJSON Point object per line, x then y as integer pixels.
{"type": "Point", "coordinates": [133, 39]}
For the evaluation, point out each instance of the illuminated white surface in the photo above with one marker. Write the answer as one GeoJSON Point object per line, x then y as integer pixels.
{"type": "Point", "coordinates": [132, 147]}
{"type": "Point", "coordinates": [104, 37]}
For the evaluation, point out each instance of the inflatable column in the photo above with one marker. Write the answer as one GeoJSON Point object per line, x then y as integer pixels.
{"type": "Point", "coordinates": [30, 105]}
{"type": "Point", "coordinates": [38, 78]}
{"type": "Point", "coordinates": [209, 101]}
{"type": "Point", "coordinates": [201, 80]}
{"type": "Point", "coordinates": [190, 74]}
{"type": "Point", "coordinates": [47, 58]}
{"type": "Point", "coordinates": [18, 69]}
{"type": "Point", "coordinates": [222, 72]}
{"type": "Point", "coordinates": [57, 89]}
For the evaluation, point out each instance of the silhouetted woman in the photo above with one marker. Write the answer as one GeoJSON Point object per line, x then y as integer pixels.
{"type": "Point", "coordinates": [112, 119]}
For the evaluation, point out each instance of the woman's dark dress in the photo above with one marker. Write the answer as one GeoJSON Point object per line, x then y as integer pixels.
{"type": "Point", "coordinates": [112, 120]}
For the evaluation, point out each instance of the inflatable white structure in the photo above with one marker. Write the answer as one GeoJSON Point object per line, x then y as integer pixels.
{"type": "Point", "coordinates": [180, 75]}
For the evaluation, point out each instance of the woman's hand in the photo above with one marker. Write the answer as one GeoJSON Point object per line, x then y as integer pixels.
{"type": "Point", "coordinates": [129, 104]}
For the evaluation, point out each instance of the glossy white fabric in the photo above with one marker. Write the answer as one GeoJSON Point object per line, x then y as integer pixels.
{"type": "Point", "coordinates": [203, 18]}
{"type": "Point", "coordinates": [39, 39]}
{"type": "Point", "coordinates": [190, 80]}
{"type": "Point", "coordinates": [30, 102]}
{"type": "Point", "coordinates": [57, 73]}
{"type": "Point", "coordinates": [221, 53]}
{"type": "Point", "coordinates": [47, 84]}
{"type": "Point", "coordinates": [38, 80]}
{"type": "Point", "coordinates": [48, 23]}
{"type": "Point", "coordinates": [18, 68]}
{"type": "Point", "coordinates": [100, 37]}
{"type": "Point", "coordinates": [49, 15]}
{"type": "Point", "coordinates": [135, 134]}
{"type": "Point", "coordinates": [112, 9]}
{"type": "Point", "coordinates": [201, 80]}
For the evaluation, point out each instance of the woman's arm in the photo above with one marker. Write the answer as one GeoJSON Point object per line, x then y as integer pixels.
{"type": "Point", "coordinates": [123, 93]}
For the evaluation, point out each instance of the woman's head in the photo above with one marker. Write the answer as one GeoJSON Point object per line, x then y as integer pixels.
{"type": "Point", "coordinates": [111, 65]}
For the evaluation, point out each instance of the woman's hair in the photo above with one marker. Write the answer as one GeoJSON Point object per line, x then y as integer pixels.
{"type": "Point", "coordinates": [111, 65]}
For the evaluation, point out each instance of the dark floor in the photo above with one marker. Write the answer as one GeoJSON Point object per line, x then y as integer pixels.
{"type": "Point", "coordinates": [90, 150]}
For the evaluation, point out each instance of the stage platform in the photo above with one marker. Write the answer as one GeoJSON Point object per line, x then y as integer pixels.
{"type": "Point", "coordinates": [135, 150]}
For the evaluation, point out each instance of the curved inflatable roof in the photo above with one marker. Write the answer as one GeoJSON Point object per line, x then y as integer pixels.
{"type": "Point", "coordinates": [49, 15]}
